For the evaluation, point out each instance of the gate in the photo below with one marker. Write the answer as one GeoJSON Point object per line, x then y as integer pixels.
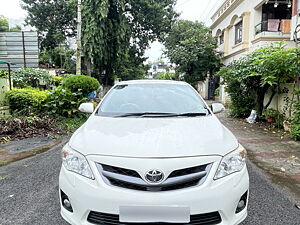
{"type": "Point", "coordinates": [211, 88]}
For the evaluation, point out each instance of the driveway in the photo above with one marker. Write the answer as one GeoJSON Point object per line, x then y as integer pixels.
{"type": "Point", "coordinates": [29, 194]}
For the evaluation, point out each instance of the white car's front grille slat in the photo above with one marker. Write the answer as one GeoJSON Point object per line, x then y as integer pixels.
{"type": "Point", "coordinates": [130, 179]}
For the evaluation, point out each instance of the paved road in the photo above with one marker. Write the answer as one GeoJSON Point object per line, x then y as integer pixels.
{"type": "Point", "coordinates": [29, 195]}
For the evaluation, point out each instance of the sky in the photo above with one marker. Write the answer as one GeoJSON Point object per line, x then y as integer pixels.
{"type": "Point", "coordinates": [190, 9]}
{"type": "Point", "coordinates": [11, 9]}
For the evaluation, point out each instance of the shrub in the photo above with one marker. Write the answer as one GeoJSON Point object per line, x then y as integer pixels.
{"type": "Point", "coordinates": [25, 101]}
{"type": "Point", "coordinates": [217, 91]}
{"type": "Point", "coordinates": [84, 84]}
{"type": "Point", "coordinates": [61, 101]}
{"type": "Point", "coordinates": [275, 114]}
{"type": "Point", "coordinates": [56, 80]}
{"type": "Point", "coordinates": [3, 73]}
{"type": "Point", "coordinates": [295, 127]}
{"type": "Point", "coordinates": [30, 77]}
{"type": "Point", "coordinates": [240, 92]}
{"type": "Point", "coordinates": [251, 77]}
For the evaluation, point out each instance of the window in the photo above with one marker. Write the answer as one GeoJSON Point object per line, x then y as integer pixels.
{"type": "Point", "coordinates": [221, 38]}
{"type": "Point", "coordinates": [239, 32]}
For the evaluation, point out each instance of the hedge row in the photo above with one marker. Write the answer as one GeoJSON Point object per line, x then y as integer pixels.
{"type": "Point", "coordinates": [25, 101]}
{"type": "Point", "coordinates": [63, 100]}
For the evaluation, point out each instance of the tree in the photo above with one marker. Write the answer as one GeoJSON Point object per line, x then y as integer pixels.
{"type": "Point", "coordinates": [60, 56]}
{"type": "Point", "coordinates": [249, 78]}
{"type": "Point", "coordinates": [4, 26]}
{"type": "Point", "coordinates": [121, 28]}
{"type": "Point", "coordinates": [113, 30]}
{"type": "Point", "coordinates": [166, 76]}
{"type": "Point", "coordinates": [191, 47]}
{"type": "Point", "coordinates": [131, 67]}
{"type": "Point", "coordinates": [55, 20]}
{"type": "Point", "coordinates": [16, 28]}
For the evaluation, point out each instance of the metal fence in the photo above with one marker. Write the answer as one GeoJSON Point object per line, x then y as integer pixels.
{"type": "Point", "coordinates": [20, 48]}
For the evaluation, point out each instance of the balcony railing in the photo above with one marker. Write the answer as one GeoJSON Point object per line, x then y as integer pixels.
{"type": "Point", "coordinates": [274, 25]}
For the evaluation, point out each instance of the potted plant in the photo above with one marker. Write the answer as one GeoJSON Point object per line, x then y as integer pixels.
{"type": "Point", "coordinates": [274, 117]}
{"type": "Point", "coordinates": [270, 115]}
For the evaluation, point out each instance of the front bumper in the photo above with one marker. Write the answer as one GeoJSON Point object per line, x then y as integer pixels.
{"type": "Point", "coordinates": [88, 195]}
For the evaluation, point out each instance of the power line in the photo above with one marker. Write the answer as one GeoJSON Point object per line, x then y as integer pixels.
{"type": "Point", "coordinates": [217, 4]}
{"type": "Point", "coordinates": [182, 3]}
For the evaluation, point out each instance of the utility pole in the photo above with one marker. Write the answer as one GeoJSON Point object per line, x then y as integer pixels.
{"type": "Point", "coordinates": [78, 40]}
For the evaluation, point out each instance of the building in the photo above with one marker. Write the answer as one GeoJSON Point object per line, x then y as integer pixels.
{"type": "Point", "coordinates": [296, 19]}
{"type": "Point", "coordinates": [242, 26]}
{"type": "Point", "coordinates": [160, 67]}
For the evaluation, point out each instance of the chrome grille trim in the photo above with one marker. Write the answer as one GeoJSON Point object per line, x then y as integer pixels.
{"type": "Point", "coordinates": [130, 179]}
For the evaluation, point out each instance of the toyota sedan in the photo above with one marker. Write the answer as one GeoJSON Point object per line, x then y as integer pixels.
{"type": "Point", "coordinates": [153, 152]}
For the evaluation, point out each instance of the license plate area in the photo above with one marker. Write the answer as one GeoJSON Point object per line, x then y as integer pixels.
{"type": "Point", "coordinates": [154, 214]}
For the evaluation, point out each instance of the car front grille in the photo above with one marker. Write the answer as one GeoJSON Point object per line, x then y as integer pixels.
{"type": "Point", "coordinates": [131, 179]}
{"type": "Point", "coordinates": [112, 219]}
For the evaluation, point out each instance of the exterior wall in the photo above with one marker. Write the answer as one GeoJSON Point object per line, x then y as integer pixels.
{"type": "Point", "coordinates": [202, 88]}
{"type": "Point", "coordinates": [4, 86]}
{"type": "Point", "coordinates": [295, 16]}
{"type": "Point", "coordinates": [278, 101]}
{"type": "Point", "coordinates": [4, 111]}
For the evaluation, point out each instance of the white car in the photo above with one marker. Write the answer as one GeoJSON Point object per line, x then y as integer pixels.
{"type": "Point", "coordinates": [153, 152]}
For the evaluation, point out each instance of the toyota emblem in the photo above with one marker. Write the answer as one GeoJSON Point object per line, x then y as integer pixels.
{"type": "Point", "coordinates": [154, 176]}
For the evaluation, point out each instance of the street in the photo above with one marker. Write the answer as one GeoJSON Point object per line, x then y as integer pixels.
{"type": "Point", "coordinates": [29, 194]}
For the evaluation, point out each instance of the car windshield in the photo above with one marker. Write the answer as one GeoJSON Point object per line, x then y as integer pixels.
{"type": "Point", "coordinates": [152, 99]}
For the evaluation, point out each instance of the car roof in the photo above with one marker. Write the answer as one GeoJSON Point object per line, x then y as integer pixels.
{"type": "Point", "coordinates": [152, 82]}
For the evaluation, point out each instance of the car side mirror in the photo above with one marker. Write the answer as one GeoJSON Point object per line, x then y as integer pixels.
{"type": "Point", "coordinates": [217, 108]}
{"type": "Point", "coordinates": [86, 107]}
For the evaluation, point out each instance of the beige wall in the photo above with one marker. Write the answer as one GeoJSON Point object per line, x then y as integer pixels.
{"type": "Point", "coordinates": [4, 86]}
{"type": "Point", "coordinates": [202, 88]}
{"type": "Point", "coordinates": [278, 101]}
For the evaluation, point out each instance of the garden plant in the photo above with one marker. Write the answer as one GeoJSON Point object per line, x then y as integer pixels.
{"type": "Point", "coordinates": [57, 106]}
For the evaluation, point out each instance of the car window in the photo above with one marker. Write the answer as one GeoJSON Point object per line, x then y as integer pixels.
{"type": "Point", "coordinates": [154, 98]}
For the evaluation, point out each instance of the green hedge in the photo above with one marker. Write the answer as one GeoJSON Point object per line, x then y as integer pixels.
{"type": "Point", "coordinates": [295, 128]}
{"type": "Point", "coordinates": [84, 84]}
{"type": "Point", "coordinates": [3, 73]}
{"type": "Point", "coordinates": [25, 101]}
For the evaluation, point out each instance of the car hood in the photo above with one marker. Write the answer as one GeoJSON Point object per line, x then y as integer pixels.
{"type": "Point", "coordinates": [153, 137]}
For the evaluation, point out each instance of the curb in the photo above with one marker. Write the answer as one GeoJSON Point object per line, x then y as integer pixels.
{"type": "Point", "coordinates": [6, 158]}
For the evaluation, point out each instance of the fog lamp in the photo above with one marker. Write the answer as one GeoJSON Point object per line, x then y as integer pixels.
{"type": "Point", "coordinates": [242, 203]}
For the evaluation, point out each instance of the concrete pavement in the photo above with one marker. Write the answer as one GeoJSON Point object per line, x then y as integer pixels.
{"type": "Point", "coordinates": [271, 150]}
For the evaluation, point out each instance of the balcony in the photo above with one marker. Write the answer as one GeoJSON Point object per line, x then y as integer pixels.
{"type": "Point", "coordinates": [280, 28]}
{"type": "Point", "coordinates": [275, 20]}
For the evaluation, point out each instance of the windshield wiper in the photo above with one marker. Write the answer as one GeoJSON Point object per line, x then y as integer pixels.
{"type": "Point", "coordinates": [144, 114]}
{"type": "Point", "coordinates": [157, 114]}
{"type": "Point", "coordinates": [190, 114]}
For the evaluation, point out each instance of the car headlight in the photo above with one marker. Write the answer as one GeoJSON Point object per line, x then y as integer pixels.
{"type": "Point", "coordinates": [232, 162]}
{"type": "Point", "coordinates": [76, 162]}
